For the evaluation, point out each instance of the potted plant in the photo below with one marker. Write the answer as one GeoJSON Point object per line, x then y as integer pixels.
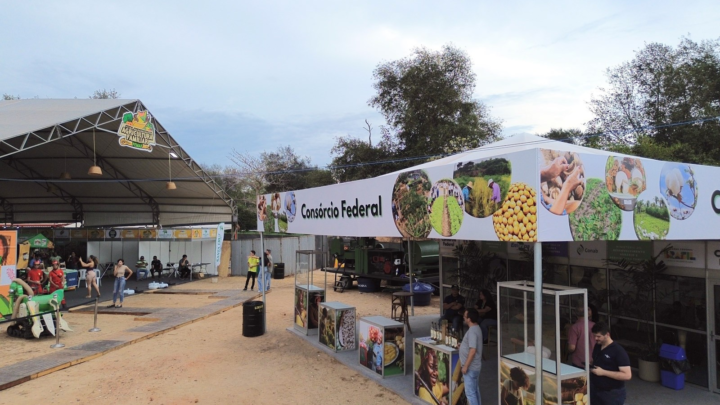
{"type": "Point", "coordinates": [642, 278]}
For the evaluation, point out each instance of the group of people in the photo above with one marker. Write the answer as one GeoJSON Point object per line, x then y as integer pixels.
{"type": "Point", "coordinates": [253, 268]}
{"type": "Point", "coordinates": [609, 362]}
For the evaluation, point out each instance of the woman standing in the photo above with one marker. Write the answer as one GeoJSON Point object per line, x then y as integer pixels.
{"type": "Point", "coordinates": [122, 273]}
{"type": "Point", "coordinates": [488, 311]}
{"type": "Point", "coordinates": [90, 275]}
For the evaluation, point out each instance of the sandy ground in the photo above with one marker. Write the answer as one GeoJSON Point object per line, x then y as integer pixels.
{"type": "Point", "coordinates": [211, 362]}
{"type": "Point", "coordinates": [165, 301]}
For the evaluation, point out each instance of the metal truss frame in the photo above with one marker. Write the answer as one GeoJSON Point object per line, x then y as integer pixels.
{"type": "Point", "coordinates": [65, 131]}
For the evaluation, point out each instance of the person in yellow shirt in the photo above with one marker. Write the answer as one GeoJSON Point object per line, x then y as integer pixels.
{"type": "Point", "coordinates": [427, 385]}
{"type": "Point", "coordinates": [253, 262]}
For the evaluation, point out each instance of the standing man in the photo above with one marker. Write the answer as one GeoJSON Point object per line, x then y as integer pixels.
{"type": "Point", "coordinates": [454, 305]}
{"type": "Point", "coordinates": [72, 262]}
{"type": "Point", "coordinates": [268, 268]}
{"type": "Point", "coordinates": [36, 279]}
{"type": "Point", "coordinates": [156, 266]}
{"type": "Point", "coordinates": [252, 269]}
{"type": "Point", "coordinates": [57, 280]}
{"type": "Point", "coordinates": [471, 357]}
{"type": "Point", "coordinates": [610, 369]}
{"type": "Point", "coordinates": [496, 197]}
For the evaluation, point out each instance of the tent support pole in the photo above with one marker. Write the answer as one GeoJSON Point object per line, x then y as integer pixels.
{"type": "Point", "coordinates": [538, 319]}
{"type": "Point", "coordinates": [412, 297]}
{"type": "Point", "coordinates": [261, 272]}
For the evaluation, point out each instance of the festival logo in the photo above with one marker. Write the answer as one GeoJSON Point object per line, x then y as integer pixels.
{"type": "Point", "coordinates": [137, 131]}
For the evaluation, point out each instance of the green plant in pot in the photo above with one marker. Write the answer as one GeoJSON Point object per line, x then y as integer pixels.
{"type": "Point", "coordinates": [640, 301]}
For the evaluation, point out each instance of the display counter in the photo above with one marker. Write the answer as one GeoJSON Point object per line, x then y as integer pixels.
{"type": "Point", "coordinates": [337, 329]}
{"type": "Point", "coordinates": [381, 345]}
{"type": "Point", "coordinates": [437, 375]}
{"type": "Point", "coordinates": [307, 308]}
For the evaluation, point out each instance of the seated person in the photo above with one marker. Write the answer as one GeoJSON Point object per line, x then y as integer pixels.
{"type": "Point", "coordinates": [184, 267]}
{"type": "Point", "coordinates": [36, 279]}
{"type": "Point", "coordinates": [141, 267]}
{"type": "Point", "coordinates": [454, 307]}
{"type": "Point", "coordinates": [156, 266]}
{"type": "Point", "coordinates": [488, 311]}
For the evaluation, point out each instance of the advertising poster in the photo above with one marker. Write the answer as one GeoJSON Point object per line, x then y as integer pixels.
{"type": "Point", "coordinates": [165, 234]}
{"type": "Point", "coordinates": [301, 304]}
{"type": "Point", "coordinates": [219, 234]}
{"type": "Point", "coordinates": [682, 254]}
{"type": "Point", "coordinates": [78, 233]}
{"type": "Point", "coordinates": [345, 337]}
{"type": "Point", "coordinates": [183, 234]}
{"type": "Point", "coordinates": [96, 234]}
{"type": "Point", "coordinates": [8, 261]}
{"type": "Point", "coordinates": [327, 328]}
{"type": "Point", "coordinates": [437, 377]}
{"type": "Point", "coordinates": [111, 234]}
{"type": "Point", "coordinates": [394, 351]}
{"type": "Point", "coordinates": [137, 131]}
{"type": "Point", "coordinates": [517, 385]}
{"type": "Point", "coordinates": [147, 233]}
{"type": "Point", "coordinates": [61, 233]}
{"type": "Point", "coordinates": [372, 352]}
{"type": "Point", "coordinates": [314, 300]}
{"type": "Point", "coordinates": [130, 233]}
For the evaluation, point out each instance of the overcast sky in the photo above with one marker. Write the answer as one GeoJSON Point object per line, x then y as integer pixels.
{"type": "Point", "coordinates": [252, 76]}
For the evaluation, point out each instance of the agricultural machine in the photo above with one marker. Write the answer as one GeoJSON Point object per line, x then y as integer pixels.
{"type": "Point", "coordinates": [367, 258]}
{"type": "Point", "coordinates": [37, 313]}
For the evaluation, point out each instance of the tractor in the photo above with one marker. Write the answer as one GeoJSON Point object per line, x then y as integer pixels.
{"type": "Point", "coordinates": [37, 312]}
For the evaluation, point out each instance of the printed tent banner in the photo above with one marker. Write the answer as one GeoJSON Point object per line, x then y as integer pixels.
{"type": "Point", "coordinates": [524, 189]}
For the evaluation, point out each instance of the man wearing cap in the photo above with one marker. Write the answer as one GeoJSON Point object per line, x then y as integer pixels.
{"type": "Point", "coordinates": [57, 280]}
{"type": "Point", "coordinates": [454, 306]}
{"type": "Point", "coordinates": [495, 191]}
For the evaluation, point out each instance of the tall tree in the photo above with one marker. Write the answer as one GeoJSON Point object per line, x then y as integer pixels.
{"type": "Point", "coordinates": [427, 101]}
{"type": "Point", "coordinates": [103, 94]}
{"type": "Point", "coordinates": [6, 96]}
{"type": "Point", "coordinates": [663, 85]}
{"type": "Point", "coordinates": [355, 159]}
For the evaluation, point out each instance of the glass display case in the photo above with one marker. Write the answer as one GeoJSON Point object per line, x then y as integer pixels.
{"type": "Point", "coordinates": [337, 329]}
{"type": "Point", "coordinates": [563, 314]}
{"type": "Point", "coordinates": [308, 294]}
{"type": "Point", "coordinates": [381, 343]}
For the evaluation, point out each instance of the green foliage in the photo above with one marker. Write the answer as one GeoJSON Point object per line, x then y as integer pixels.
{"type": "Point", "coordinates": [650, 225]}
{"type": "Point", "coordinates": [597, 218]}
{"type": "Point", "coordinates": [269, 223]}
{"type": "Point", "coordinates": [351, 157]}
{"type": "Point", "coordinates": [662, 85]}
{"type": "Point", "coordinates": [426, 100]}
{"type": "Point", "coordinates": [105, 94]}
{"type": "Point", "coordinates": [454, 218]}
{"type": "Point", "coordinates": [456, 215]}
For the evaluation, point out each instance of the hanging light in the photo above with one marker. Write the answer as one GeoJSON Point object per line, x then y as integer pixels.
{"type": "Point", "coordinates": [65, 175]}
{"type": "Point", "coordinates": [170, 184]}
{"type": "Point", "coordinates": [94, 170]}
{"type": "Point", "coordinates": [52, 188]}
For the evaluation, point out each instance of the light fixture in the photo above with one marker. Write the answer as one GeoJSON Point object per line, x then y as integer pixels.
{"type": "Point", "coordinates": [52, 188]}
{"type": "Point", "coordinates": [65, 175]}
{"type": "Point", "coordinates": [94, 170]}
{"type": "Point", "coordinates": [173, 155]}
{"type": "Point", "coordinates": [170, 184]}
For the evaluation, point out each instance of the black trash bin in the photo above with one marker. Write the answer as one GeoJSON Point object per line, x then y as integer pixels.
{"type": "Point", "coordinates": [279, 271]}
{"type": "Point", "coordinates": [253, 319]}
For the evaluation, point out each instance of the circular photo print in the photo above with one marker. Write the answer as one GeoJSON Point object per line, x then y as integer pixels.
{"type": "Point", "coordinates": [262, 207]}
{"type": "Point", "coordinates": [275, 202]}
{"type": "Point", "coordinates": [445, 207]}
{"type": "Point", "coordinates": [678, 186]}
{"type": "Point", "coordinates": [516, 220]}
{"type": "Point", "coordinates": [409, 204]}
{"type": "Point", "coordinates": [484, 185]}
{"type": "Point", "coordinates": [290, 206]}
{"type": "Point", "coordinates": [282, 222]}
{"type": "Point", "coordinates": [625, 180]}
{"type": "Point", "coordinates": [652, 219]}
{"type": "Point", "coordinates": [562, 181]}
{"type": "Point", "coordinates": [597, 218]}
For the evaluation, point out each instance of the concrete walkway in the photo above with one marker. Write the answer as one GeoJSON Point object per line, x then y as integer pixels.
{"type": "Point", "coordinates": [639, 392]}
{"type": "Point", "coordinates": [152, 322]}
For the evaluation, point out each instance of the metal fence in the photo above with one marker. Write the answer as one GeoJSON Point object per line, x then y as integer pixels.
{"type": "Point", "coordinates": [282, 248]}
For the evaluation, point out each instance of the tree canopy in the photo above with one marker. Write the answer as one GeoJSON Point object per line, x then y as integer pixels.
{"type": "Point", "coordinates": [663, 85]}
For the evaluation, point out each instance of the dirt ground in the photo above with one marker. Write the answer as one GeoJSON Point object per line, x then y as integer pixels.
{"type": "Point", "coordinates": [211, 362]}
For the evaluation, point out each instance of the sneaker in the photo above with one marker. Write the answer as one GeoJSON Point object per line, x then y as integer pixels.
{"type": "Point", "coordinates": [245, 289]}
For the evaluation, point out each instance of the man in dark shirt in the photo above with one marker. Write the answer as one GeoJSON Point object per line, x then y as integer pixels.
{"type": "Point", "coordinates": [610, 369]}
{"type": "Point", "coordinates": [156, 266]}
{"type": "Point", "coordinates": [454, 307]}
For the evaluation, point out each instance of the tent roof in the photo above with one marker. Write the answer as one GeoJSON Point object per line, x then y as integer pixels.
{"type": "Point", "coordinates": [40, 138]}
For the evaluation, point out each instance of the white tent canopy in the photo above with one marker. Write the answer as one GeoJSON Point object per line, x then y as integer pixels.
{"type": "Point", "coordinates": [541, 190]}
{"type": "Point", "coordinates": [41, 138]}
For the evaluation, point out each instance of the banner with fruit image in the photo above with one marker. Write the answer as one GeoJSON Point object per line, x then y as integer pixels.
{"type": "Point", "coordinates": [8, 261]}
{"type": "Point", "coordinates": [137, 131]}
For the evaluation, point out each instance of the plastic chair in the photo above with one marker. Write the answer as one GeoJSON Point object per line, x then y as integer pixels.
{"type": "Point", "coordinates": [81, 277]}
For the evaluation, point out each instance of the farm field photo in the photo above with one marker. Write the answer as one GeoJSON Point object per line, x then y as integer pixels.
{"type": "Point", "coordinates": [597, 217]}
{"type": "Point", "coordinates": [409, 204]}
{"type": "Point", "coordinates": [484, 185]}
{"type": "Point", "coordinates": [652, 219]}
{"type": "Point", "coordinates": [445, 206]}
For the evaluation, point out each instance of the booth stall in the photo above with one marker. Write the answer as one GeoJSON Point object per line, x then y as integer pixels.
{"type": "Point", "coordinates": [382, 345]}
{"type": "Point", "coordinates": [308, 295]}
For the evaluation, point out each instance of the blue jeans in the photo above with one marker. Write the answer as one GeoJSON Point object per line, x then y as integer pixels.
{"type": "Point", "coordinates": [264, 279]}
{"type": "Point", "coordinates": [472, 387]}
{"type": "Point", "coordinates": [485, 324]}
{"type": "Point", "coordinates": [268, 276]}
{"type": "Point", "coordinates": [118, 289]}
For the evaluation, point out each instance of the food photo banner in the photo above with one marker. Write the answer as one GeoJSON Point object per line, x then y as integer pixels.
{"type": "Point", "coordinates": [557, 193]}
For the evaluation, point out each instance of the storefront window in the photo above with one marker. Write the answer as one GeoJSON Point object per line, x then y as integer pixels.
{"type": "Point", "coordinates": [450, 270]}
{"type": "Point", "coordinates": [681, 301]}
{"type": "Point", "coordinates": [623, 296]}
{"type": "Point", "coordinates": [595, 281]}
{"type": "Point", "coordinates": [632, 335]}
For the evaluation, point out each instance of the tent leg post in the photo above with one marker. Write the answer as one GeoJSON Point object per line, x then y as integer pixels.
{"type": "Point", "coordinates": [538, 319]}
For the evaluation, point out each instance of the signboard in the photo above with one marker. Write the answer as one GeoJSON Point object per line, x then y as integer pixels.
{"type": "Point", "coordinates": [713, 255]}
{"type": "Point", "coordinates": [8, 261]}
{"type": "Point", "coordinates": [112, 234]}
{"type": "Point", "coordinates": [588, 250]}
{"type": "Point", "coordinates": [96, 234]}
{"type": "Point", "coordinates": [137, 131]}
{"type": "Point", "coordinates": [555, 249]}
{"type": "Point", "coordinates": [517, 248]}
{"type": "Point", "coordinates": [629, 251]}
{"type": "Point", "coordinates": [147, 233]}
{"type": "Point", "coordinates": [494, 247]}
{"type": "Point", "coordinates": [196, 233]}
{"type": "Point", "coordinates": [183, 234]}
{"type": "Point", "coordinates": [78, 233]}
{"type": "Point", "coordinates": [165, 234]}
{"type": "Point", "coordinates": [129, 233]}
{"type": "Point", "coordinates": [220, 232]}
{"type": "Point", "coordinates": [61, 233]}
{"type": "Point", "coordinates": [682, 254]}
{"type": "Point", "coordinates": [447, 247]}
